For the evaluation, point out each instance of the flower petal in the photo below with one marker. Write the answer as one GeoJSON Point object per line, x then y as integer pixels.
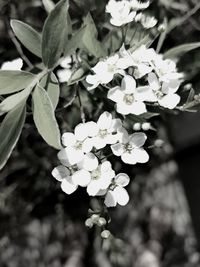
{"type": "Point", "coordinates": [87, 145]}
{"type": "Point", "coordinates": [141, 155]}
{"type": "Point", "coordinates": [74, 155]}
{"type": "Point", "coordinates": [115, 94]}
{"type": "Point", "coordinates": [60, 172]}
{"type": "Point", "coordinates": [121, 195]}
{"type": "Point", "coordinates": [122, 179]}
{"type": "Point", "coordinates": [93, 188]}
{"type": "Point", "coordinates": [105, 120]}
{"type": "Point", "coordinates": [129, 158]}
{"type": "Point", "coordinates": [110, 199]}
{"type": "Point", "coordinates": [138, 139]}
{"type": "Point", "coordinates": [81, 131]}
{"type": "Point", "coordinates": [62, 156]}
{"type": "Point", "coordinates": [68, 139]}
{"type": "Point", "coordinates": [169, 101]}
{"type": "Point", "coordinates": [153, 81]}
{"type": "Point", "coordinates": [117, 149]}
{"type": "Point", "coordinates": [89, 162]}
{"type": "Point", "coordinates": [128, 84]}
{"type": "Point", "coordinates": [68, 187]}
{"type": "Point", "coordinates": [81, 177]}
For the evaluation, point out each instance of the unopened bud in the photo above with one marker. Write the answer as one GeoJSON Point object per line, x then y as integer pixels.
{"type": "Point", "coordinates": [101, 222]}
{"type": "Point", "coordinates": [105, 234]}
{"type": "Point", "coordinates": [89, 223]}
{"type": "Point", "coordinates": [137, 126]}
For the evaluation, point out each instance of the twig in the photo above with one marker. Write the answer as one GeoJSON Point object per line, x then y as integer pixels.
{"type": "Point", "coordinates": [187, 16]}
{"type": "Point", "coordinates": [68, 103]}
{"type": "Point", "coordinates": [81, 107]}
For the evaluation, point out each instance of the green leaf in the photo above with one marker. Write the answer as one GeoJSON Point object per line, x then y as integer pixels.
{"type": "Point", "coordinates": [10, 131]}
{"type": "Point", "coordinates": [12, 101]}
{"type": "Point", "coordinates": [14, 80]}
{"type": "Point", "coordinates": [48, 5]}
{"type": "Point", "coordinates": [75, 42]}
{"type": "Point", "coordinates": [44, 117]}
{"type": "Point", "coordinates": [54, 34]}
{"type": "Point", "coordinates": [90, 41]}
{"type": "Point", "coordinates": [76, 76]}
{"type": "Point", "coordinates": [29, 37]}
{"type": "Point", "coordinates": [181, 49]}
{"type": "Point", "coordinates": [53, 89]}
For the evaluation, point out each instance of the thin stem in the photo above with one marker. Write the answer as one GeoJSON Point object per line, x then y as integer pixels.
{"type": "Point", "coordinates": [81, 107]}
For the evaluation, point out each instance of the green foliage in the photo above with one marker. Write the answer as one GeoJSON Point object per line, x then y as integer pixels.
{"type": "Point", "coordinates": [29, 37]}
{"type": "Point", "coordinates": [10, 131]}
{"type": "Point", "coordinates": [53, 89]}
{"type": "Point", "coordinates": [13, 81]}
{"type": "Point", "coordinates": [12, 101]}
{"type": "Point", "coordinates": [90, 41]}
{"type": "Point", "coordinates": [74, 42]}
{"type": "Point", "coordinates": [44, 117]}
{"type": "Point", "coordinates": [48, 5]}
{"type": "Point", "coordinates": [181, 49]}
{"type": "Point", "coordinates": [54, 34]}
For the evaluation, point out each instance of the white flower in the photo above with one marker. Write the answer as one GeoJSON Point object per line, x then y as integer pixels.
{"type": "Point", "coordinates": [104, 72]}
{"type": "Point", "coordinates": [146, 21]}
{"type": "Point", "coordinates": [118, 195]}
{"type": "Point", "coordinates": [130, 148]}
{"type": "Point", "coordinates": [62, 174]}
{"type": "Point", "coordinates": [105, 129]}
{"type": "Point", "coordinates": [129, 99]}
{"type": "Point", "coordinates": [65, 73]}
{"type": "Point", "coordinates": [15, 64]}
{"type": "Point", "coordinates": [97, 178]}
{"type": "Point", "coordinates": [77, 175]}
{"type": "Point", "coordinates": [77, 144]}
{"type": "Point", "coordinates": [165, 93]}
{"type": "Point", "coordinates": [120, 12]}
{"type": "Point", "coordinates": [138, 5]}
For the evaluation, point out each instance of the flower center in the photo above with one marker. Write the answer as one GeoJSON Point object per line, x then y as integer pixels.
{"type": "Point", "coordinates": [159, 94]}
{"type": "Point", "coordinates": [103, 133]}
{"type": "Point", "coordinates": [78, 145]}
{"type": "Point", "coordinates": [111, 68]}
{"type": "Point", "coordinates": [129, 99]}
{"type": "Point", "coordinates": [95, 175]}
{"type": "Point", "coordinates": [128, 147]}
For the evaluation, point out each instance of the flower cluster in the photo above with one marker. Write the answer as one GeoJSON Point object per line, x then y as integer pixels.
{"type": "Point", "coordinates": [82, 164]}
{"type": "Point", "coordinates": [160, 80]}
{"type": "Point", "coordinates": [125, 11]}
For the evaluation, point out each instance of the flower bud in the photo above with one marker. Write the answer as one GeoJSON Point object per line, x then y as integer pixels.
{"type": "Point", "coordinates": [137, 126]}
{"type": "Point", "coordinates": [89, 223]}
{"type": "Point", "coordinates": [105, 234]}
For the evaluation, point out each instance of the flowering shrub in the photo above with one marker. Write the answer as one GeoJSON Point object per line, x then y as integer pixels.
{"type": "Point", "coordinates": [126, 81]}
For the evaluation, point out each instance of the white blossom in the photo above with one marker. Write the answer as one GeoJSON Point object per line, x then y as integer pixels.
{"type": "Point", "coordinates": [62, 174]}
{"type": "Point", "coordinates": [104, 72]}
{"type": "Point", "coordinates": [105, 130]}
{"type": "Point", "coordinates": [130, 147]}
{"type": "Point", "coordinates": [77, 143]}
{"type": "Point", "coordinates": [146, 20]}
{"type": "Point", "coordinates": [120, 12]}
{"type": "Point", "coordinates": [165, 92]}
{"type": "Point", "coordinates": [130, 99]}
{"type": "Point", "coordinates": [96, 179]}
{"type": "Point", "coordinates": [138, 5]}
{"type": "Point", "coordinates": [117, 194]}
{"type": "Point", "coordinates": [15, 64]}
